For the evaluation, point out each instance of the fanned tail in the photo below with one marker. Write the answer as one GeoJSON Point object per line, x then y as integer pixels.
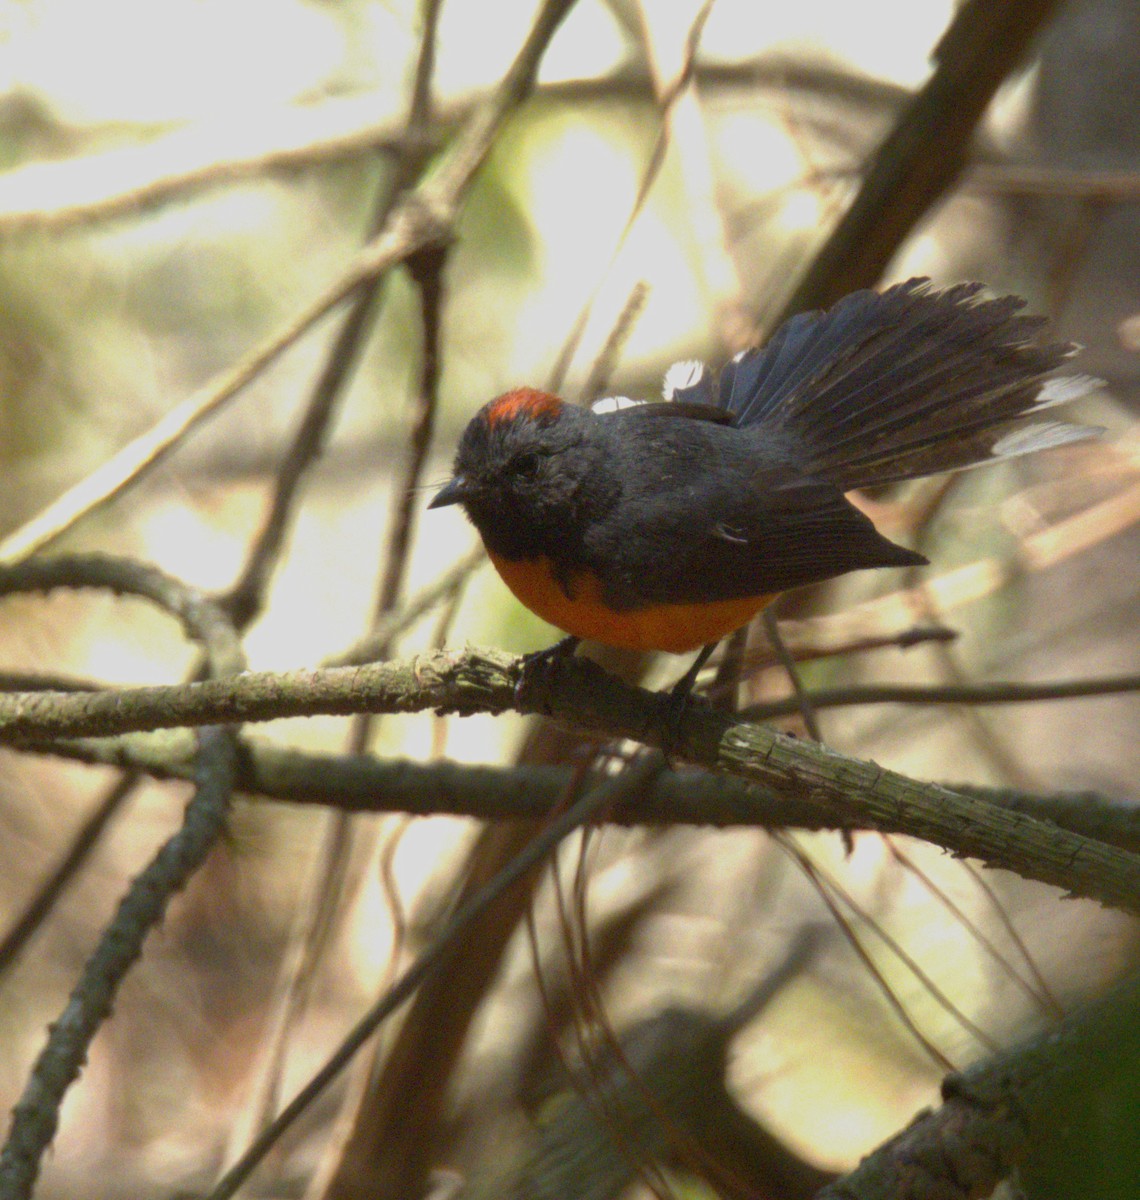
{"type": "Point", "coordinates": [899, 384]}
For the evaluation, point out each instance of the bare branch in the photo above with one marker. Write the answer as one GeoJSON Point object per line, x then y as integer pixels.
{"type": "Point", "coordinates": [623, 786]}
{"type": "Point", "coordinates": [247, 595]}
{"type": "Point", "coordinates": [360, 783]}
{"type": "Point", "coordinates": [805, 705]}
{"type": "Point", "coordinates": [926, 150]}
{"type": "Point", "coordinates": [36, 1115]}
{"type": "Point", "coordinates": [423, 218]}
{"type": "Point", "coordinates": [991, 1112]}
{"type": "Point", "coordinates": [581, 694]}
{"type": "Point", "coordinates": [376, 644]}
{"type": "Point", "coordinates": [113, 184]}
{"type": "Point", "coordinates": [968, 693]}
{"type": "Point", "coordinates": [201, 618]}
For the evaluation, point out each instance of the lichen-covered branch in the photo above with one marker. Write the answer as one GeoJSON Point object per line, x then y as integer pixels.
{"type": "Point", "coordinates": [581, 694]}
{"type": "Point", "coordinates": [36, 1115]}
{"type": "Point", "coordinates": [361, 783]}
{"type": "Point", "coordinates": [992, 1112]}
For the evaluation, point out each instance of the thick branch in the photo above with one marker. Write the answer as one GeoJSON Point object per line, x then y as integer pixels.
{"type": "Point", "coordinates": [581, 694]}
{"type": "Point", "coordinates": [927, 148]}
{"type": "Point", "coordinates": [360, 783]}
{"type": "Point", "coordinates": [992, 1112]}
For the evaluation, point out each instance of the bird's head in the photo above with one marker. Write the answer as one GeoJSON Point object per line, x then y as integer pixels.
{"type": "Point", "coordinates": [512, 473]}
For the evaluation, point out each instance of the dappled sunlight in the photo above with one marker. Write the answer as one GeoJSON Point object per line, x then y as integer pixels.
{"type": "Point", "coordinates": [180, 182]}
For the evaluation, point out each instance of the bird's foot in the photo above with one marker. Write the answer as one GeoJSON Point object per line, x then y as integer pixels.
{"type": "Point", "coordinates": [679, 701]}
{"type": "Point", "coordinates": [535, 668]}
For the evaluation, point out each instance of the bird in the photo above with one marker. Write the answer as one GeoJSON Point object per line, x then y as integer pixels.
{"type": "Point", "coordinates": [666, 525]}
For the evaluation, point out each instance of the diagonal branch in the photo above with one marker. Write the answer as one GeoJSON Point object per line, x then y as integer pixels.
{"type": "Point", "coordinates": [439, 954]}
{"type": "Point", "coordinates": [580, 694]}
{"type": "Point", "coordinates": [927, 148]}
{"type": "Point", "coordinates": [991, 1112]}
{"type": "Point", "coordinates": [425, 217]}
{"type": "Point", "coordinates": [246, 596]}
{"type": "Point", "coordinates": [36, 1115]}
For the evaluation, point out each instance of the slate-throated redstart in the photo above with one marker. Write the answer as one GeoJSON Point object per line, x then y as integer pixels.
{"type": "Point", "coordinates": [666, 526]}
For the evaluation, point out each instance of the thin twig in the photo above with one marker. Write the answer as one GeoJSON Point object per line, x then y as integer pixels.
{"type": "Point", "coordinates": [667, 97]}
{"type": "Point", "coordinates": [427, 269]}
{"type": "Point", "coordinates": [804, 703]}
{"type": "Point", "coordinates": [246, 597]}
{"type": "Point", "coordinates": [41, 904]}
{"type": "Point", "coordinates": [1052, 1004]}
{"type": "Point", "coordinates": [671, 53]}
{"type": "Point", "coordinates": [629, 783]}
{"type": "Point", "coordinates": [968, 693]}
{"type": "Point", "coordinates": [1038, 995]}
{"type": "Point", "coordinates": [36, 1115]}
{"type": "Point", "coordinates": [826, 891]}
{"type": "Point", "coordinates": [724, 690]}
{"type": "Point", "coordinates": [424, 217]}
{"type": "Point", "coordinates": [376, 644]}
{"type": "Point", "coordinates": [605, 362]}
{"type": "Point", "coordinates": [812, 638]}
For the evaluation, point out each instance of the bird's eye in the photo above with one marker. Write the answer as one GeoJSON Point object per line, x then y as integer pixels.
{"type": "Point", "coordinates": [525, 464]}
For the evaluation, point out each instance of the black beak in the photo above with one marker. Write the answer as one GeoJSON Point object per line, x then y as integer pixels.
{"type": "Point", "coordinates": [453, 492]}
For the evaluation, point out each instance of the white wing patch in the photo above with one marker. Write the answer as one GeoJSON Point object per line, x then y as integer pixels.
{"type": "Point", "coordinates": [1063, 388]}
{"type": "Point", "coordinates": [681, 376]}
{"type": "Point", "coordinates": [611, 404]}
{"type": "Point", "coordinates": [1042, 436]}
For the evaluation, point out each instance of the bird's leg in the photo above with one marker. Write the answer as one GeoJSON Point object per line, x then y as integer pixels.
{"type": "Point", "coordinates": [561, 649]}
{"type": "Point", "coordinates": [678, 699]}
{"type": "Point", "coordinates": [536, 664]}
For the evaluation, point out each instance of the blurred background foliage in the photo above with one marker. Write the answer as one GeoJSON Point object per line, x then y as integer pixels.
{"type": "Point", "coordinates": [180, 177]}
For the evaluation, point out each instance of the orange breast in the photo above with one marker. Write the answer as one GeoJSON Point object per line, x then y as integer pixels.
{"type": "Point", "coordinates": [673, 627]}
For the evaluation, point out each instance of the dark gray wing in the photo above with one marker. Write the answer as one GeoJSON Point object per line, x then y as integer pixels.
{"type": "Point", "coordinates": [706, 517]}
